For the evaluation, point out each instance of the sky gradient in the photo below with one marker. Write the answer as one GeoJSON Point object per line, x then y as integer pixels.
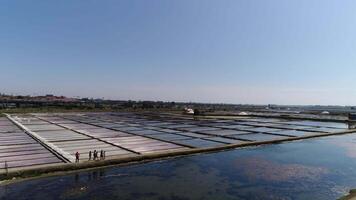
{"type": "Point", "coordinates": [229, 51]}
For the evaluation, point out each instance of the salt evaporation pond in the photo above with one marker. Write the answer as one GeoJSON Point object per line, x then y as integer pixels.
{"type": "Point", "coordinates": [323, 168]}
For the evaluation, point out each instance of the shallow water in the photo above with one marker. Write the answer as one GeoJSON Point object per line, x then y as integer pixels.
{"type": "Point", "coordinates": [323, 168]}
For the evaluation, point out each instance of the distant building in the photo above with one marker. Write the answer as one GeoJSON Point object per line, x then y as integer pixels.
{"type": "Point", "coordinates": [243, 113]}
{"type": "Point", "coordinates": [325, 113]}
{"type": "Point", "coordinates": [189, 111]}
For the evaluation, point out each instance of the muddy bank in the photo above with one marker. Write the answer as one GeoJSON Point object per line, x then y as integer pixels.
{"type": "Point", "coordinates": [350, 196]}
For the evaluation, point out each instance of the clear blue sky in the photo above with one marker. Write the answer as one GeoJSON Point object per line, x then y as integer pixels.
{"type": "Point", "coordinates": [231, 51]}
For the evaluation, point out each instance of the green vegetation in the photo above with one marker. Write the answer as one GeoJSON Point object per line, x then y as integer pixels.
{"type": "Point", "coordinates": [50, 109]}
{"type": "Point", "coordinates": [61, 109]}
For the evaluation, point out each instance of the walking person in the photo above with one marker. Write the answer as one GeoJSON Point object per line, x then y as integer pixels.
{"type": "Point", "coordinates": [95, 154]}
{"type": "Point", "coordinates": [6, 168]}
{"type": "Point", "coordinates": [101, 154]}
{"type": "Point", "coordinates": [90, 155]}
{"type": "Point", "coordinates": [104, 154]}
{"type": "Point", "coordinates": [77, 157]}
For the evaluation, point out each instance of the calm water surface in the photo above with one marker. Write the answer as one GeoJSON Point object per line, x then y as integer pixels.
{"type": "Point", "coordinates": [311, 169]}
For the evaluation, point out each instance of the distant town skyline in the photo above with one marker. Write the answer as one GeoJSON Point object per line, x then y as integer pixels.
{"type": "Point", "coordinates": [239, 52]}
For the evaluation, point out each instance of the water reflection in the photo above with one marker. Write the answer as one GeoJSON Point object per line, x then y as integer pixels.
{"type": "Point", "coordinates": [260, 169]}
{"type": "Point", "coordinates": [310, 169]}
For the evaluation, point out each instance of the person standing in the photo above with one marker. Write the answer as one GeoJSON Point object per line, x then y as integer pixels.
{"type": "Point", "coordinates": [101, 154]}
{"type": "Point", "coordinates": [90, 155]}
{"type": "Point", "coordinates": [95, 154]}
{"type": "Point", "coordinates": [77, 157]}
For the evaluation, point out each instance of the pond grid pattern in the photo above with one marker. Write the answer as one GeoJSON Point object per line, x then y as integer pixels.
{"type": "Point", "coordinates": [18, 149]}
{"type": "Point", "coordinates": [131, 134]}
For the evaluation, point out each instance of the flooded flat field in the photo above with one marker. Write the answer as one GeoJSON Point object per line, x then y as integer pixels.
{"type": "Point", "coordinates": [130, 135]}
{"type": "Point", "coordinates": [322, 168]}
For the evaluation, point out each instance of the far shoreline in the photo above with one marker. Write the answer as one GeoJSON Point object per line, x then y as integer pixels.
{"type": "Point", "coordinates": [350, 196]}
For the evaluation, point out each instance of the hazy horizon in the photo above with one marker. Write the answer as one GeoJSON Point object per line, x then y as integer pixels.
{"type": "Point", "coordinates": [160, 100]}
{"type": "Point", "coordinates": [238, 52]}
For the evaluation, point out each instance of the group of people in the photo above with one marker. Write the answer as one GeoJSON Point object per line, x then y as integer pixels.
{"type": "Point", "coordinates": [92, 155]}
{"type": "Point", "coordinates": [95, 156]}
